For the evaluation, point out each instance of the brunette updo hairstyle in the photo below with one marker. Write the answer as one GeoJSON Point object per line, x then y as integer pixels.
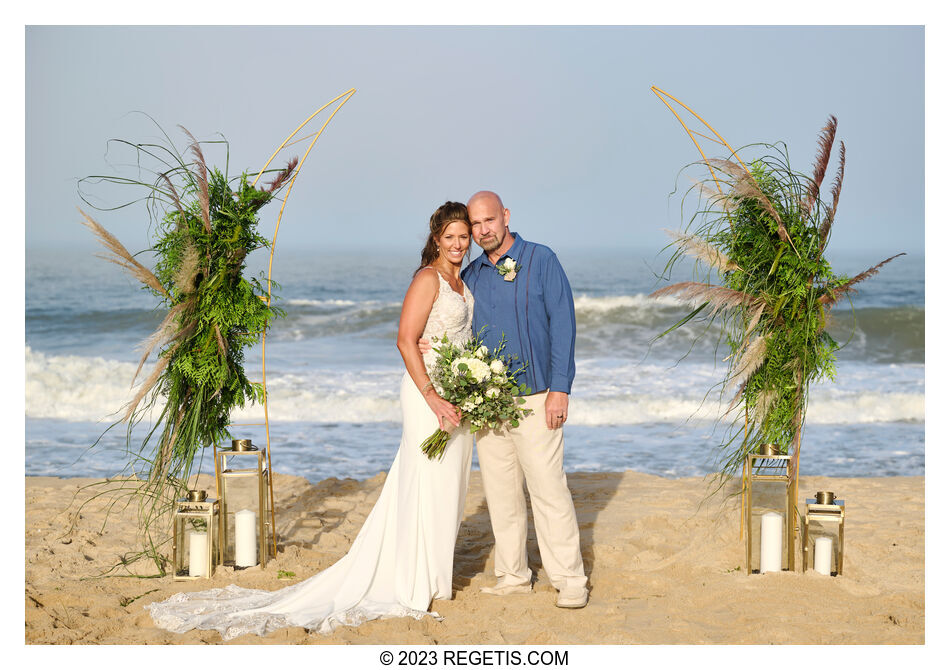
{"type": "Point", "coordinates": [440, 219]}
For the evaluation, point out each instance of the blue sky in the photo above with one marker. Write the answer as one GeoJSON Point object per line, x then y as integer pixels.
{"type": "Point", "coordinates": [560, 120]}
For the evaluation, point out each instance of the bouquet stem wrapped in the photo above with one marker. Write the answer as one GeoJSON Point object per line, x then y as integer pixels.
{"type": "Point", "coordinates": [434, 445]}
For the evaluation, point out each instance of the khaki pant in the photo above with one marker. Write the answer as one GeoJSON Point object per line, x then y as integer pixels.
{"type": "Point", "coordinates": [534, 454]}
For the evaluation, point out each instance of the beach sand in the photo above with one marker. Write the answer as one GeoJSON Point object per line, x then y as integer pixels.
{"type": "Point", "coordinates": [664, 567]}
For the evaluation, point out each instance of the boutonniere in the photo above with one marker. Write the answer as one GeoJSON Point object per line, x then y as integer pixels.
{"type": "Point", "coordinates": [508, 269]}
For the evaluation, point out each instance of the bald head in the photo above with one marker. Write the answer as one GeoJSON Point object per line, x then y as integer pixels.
{"type": "Point", "coordinates": [486, 197]}
{"type": "Point", "coordinates": [489, 223]}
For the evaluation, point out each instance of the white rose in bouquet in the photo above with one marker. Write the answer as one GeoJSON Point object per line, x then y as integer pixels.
{"type": "Point", "coordinates": [492, 392]}
{"type": "Point", "coordinates": [478, 369]}
{"type": "Point", "coordinates": [497, 366]}
{"type": "Point", "coordinates": [460, 361]}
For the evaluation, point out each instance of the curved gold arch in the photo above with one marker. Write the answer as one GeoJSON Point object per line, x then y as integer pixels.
{"type": "Point", "coordinates": [342, 99]}
{"type": "Point", "coordinates": [665, 98]}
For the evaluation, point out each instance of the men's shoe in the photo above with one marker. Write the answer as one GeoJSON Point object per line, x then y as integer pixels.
{"type": "Point", "coordinates": [506, 589]}
{"type": "Point", "coordinates": [572, 598]}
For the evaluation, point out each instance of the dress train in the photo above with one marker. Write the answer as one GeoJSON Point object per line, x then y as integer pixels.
{"type": "Point", "coordinates": [399, 562]}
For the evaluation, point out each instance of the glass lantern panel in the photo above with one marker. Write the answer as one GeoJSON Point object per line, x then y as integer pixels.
{"type": "Point", "coordinates": [766, 498]}
{"type": "Point", "coordinates": [240, 495]}
{"type": "Point", "coordinates": [194, 542]}
{"type": "Point", "coordinates": [823, 546]}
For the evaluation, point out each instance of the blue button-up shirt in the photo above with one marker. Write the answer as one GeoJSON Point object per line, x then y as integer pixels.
{"type": "Point", "coordinates": [535, 312]}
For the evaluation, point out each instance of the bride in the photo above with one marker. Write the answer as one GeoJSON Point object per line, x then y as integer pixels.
{"type": "Point", "coordinates": [402, 557]}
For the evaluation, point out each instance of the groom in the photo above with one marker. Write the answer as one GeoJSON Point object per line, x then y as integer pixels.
{"type": "Point", "coordinates": [531, 304]}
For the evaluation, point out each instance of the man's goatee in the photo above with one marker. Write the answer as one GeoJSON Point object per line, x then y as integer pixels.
{"type": "Point", "coordinates": [490, 244]}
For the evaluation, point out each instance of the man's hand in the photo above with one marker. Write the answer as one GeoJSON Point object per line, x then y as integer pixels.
{"type": "Point", "coordinates": [555, 409]}
{"type": "Point", "coordinates": [425, 346]}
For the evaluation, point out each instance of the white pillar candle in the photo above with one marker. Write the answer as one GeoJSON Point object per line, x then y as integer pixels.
{"type": "Point", "coordinates": [823, 547]}
{"type": "Point", "coordinates": [245, 538]}
{"type": "Point", "coordinates": [770, 556]}
{"type": "Point", "coordinates": [197, 553]}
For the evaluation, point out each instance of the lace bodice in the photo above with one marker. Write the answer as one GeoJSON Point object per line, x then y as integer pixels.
{"type": "Point", "coordinates": [451, 315]}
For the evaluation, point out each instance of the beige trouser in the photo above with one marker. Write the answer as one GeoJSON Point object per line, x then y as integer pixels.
{"type": "Point", "coordinates": [534, 454]}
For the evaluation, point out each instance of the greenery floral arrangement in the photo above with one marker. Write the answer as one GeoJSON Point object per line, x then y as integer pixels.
{"type": "Point", "coordinates": [481, 383]}
{"type": "Point", "coordinates": [759, 242]}
{"type": "Point", "coordinates": [204, 226]}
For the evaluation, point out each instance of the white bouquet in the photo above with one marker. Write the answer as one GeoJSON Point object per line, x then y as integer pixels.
{"type": "Point", "coordinates": [480, 383]}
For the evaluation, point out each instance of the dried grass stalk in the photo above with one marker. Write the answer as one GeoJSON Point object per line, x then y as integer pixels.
{"type": "Point", "coordinates": [161, 335]}
{"type": "Point", "coordinates": [715, 197]}
{"type": "Point", "coordinates": [763, 404]}
{"type": "Point", "coordinates": [121, 256]}
{"type": "Point", "coordinates": [201, 175]}
{"type": "Point", "coordinates": [751, 359]}
{"type": "Point", "coordinates": [835, 194]}
{"type": "Point", "coordinates": [839, 180]}
{"type": "Point", "coordinates": [734, 170]}
{"type": "Point", "coordinates": [835, 295]}
{"type": "Point", "coordinates": [283, 176]}
{"type": "Point", "coordinates": [147, 385]}
{"type": "Point", "coordinates": [704, 251]}
{"type": "Point", "coordinates": [188, 269]}
{"type": "Point", "coordinates": [166, 332]}
{"type": "Point", "coordinates": [747, 187]}
{"type": "Point", "coordinates": [705, 190]}
{"type": "Point", "coordinates": [737, 397]}
{"type": "Point", "coordinates": [182, 222]}
{"type": "Point", "coordinates": [222, 347]}
{"type": "Point", "coordinates": [826, 140]}
{"type": "Point", "coordinates": [754, 321]}
{"type": "Point", "coordinates": [717, 297]}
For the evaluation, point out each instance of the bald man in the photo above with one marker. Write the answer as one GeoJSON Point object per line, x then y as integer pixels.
{"type": "Point", "coordinates": [528, 301]}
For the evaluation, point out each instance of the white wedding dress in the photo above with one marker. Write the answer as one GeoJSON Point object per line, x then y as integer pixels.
{"type": "Point", "coordinates": [402, 557]}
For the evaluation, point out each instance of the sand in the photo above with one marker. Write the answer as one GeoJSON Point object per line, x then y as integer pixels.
{"type": "Point", "coordinates": [664, 568]}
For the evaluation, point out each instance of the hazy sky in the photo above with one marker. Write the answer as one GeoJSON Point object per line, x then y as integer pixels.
{"type": "Point", "coordinates": [559, 120]}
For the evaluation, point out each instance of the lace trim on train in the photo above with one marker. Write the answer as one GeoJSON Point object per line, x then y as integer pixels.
{"type": "Point", "coordinates": [214, 610]}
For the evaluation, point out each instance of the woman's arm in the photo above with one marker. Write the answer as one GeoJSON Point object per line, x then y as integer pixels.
{"type": "Point", "coordinates": [416, 306]}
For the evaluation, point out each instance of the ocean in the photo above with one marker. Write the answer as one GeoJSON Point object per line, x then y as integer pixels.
{"type": "Point", "coordinates": [333, 370]}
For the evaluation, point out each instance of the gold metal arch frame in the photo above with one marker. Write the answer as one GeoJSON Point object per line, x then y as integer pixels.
{"type": "Point", "coordinates": [292, 139]}
{"type": "Point", "coordinates": [693, 134]}
{"type": "Point", "coordinates": [667, 98]}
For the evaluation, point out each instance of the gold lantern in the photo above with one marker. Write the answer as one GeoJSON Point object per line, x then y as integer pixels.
{"type": "Point", "coordinates": [245, 520]}
{"type": "Point", "coordinates": [767, 493]}
{"type": "Point", "coordinates": [823, 535]}
{"type": "Point", "coordinates": [194, 536]}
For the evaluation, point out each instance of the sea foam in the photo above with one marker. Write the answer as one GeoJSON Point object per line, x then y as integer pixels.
{"type": "Point", "coordinates": [79, 388]}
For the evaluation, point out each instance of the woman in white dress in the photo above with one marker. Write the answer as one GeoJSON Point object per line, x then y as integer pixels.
{"type": "Point", "coordinates": [401, 559]}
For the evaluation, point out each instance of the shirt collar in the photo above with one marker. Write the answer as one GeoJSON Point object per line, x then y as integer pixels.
{"type": "Point", "coordinates": [514, 252]}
